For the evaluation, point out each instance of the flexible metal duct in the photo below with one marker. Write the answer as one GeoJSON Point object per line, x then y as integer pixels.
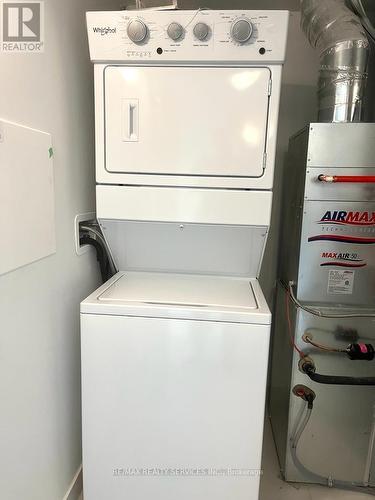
{"type": "Point", "coordinates": [338, 34]}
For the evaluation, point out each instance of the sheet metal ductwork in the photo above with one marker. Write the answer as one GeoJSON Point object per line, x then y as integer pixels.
{"type": "Point", "coordinates": [337, 33]}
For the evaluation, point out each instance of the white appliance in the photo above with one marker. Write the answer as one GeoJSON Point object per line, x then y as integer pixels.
{"type": "Point", "coordinates": [175, 346]}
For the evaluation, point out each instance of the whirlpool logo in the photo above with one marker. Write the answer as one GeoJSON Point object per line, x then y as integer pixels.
{"type": "Point", "coordinates": [22, 26]}
{"type": "Point", "coordinates": [104, 30]}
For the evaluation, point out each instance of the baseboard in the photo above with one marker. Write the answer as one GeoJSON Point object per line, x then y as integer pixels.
{"type": "Point", "coordinates": [75, 488]}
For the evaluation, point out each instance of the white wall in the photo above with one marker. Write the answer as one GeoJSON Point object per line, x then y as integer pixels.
{"type": "Point", "coordinates": [40, 438]}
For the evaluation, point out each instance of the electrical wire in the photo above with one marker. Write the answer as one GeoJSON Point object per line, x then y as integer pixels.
{"type": "Point", "coordinates": [339, 333]}
{"type": "Point", "coordinates": [307, 337]}
{"type": "Point", "coordinates": [297, 421]}
{"type": "Point", "coordinates": [195, 15]}
{"type": "Point", "coordinates": [96, 232]}
{"type": "Point", "coordinates": [370, 451]}
{"type": "Point", "coordinates": [294, 345]}
{"type": "Point", "coordinates": [300, 426]}
{"type": "Point", "coordinates": [319, 313]}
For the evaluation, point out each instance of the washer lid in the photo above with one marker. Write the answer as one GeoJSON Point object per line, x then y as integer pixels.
{"type": "Point", "coordinates": [181, 289]}
{"type": "Point", "coordinates": [180, 296]}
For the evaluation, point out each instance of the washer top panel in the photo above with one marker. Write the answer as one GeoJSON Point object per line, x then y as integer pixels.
{"type": "Point", "coordinates": [184, 296]}
{"type": "Point", "coordinates": [181, 289]}
{"type": "Point", "coordinates": [162, 36]}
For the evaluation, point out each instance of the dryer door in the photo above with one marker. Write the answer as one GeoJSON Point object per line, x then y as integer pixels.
{"type": "Point", "coordinates": [186, 120]}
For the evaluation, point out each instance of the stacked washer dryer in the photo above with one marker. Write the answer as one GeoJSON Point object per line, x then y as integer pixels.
{"type": "Point", "coordinates": [175, 346]}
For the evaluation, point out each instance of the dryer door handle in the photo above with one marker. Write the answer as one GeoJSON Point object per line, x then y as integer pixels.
{"type": "Point", "coordinates": [130, 108]}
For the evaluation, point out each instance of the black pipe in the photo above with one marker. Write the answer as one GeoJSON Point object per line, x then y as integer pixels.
{"type": "Point", "coordinates": [101, 256]}
{"type": "Point", "coordinates": [335, 379]}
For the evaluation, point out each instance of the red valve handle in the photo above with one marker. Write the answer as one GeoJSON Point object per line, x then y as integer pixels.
{"type": "Point", "coordinates": [347, 178]}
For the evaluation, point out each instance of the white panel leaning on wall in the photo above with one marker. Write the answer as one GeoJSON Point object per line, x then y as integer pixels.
{"type": "Point", "coordinates": [27, 199]}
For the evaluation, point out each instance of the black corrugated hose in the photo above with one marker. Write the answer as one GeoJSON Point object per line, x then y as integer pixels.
{"type": "Point", "coordinates": [101, 256]}
{"type": "Point", "coordinates": [336, 379]}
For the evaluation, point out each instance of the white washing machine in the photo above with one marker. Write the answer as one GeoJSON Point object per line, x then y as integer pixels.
{"type": "Point", "coordinates": [175, 346]}
{"type": "Point", "coordinates": [174, 379]}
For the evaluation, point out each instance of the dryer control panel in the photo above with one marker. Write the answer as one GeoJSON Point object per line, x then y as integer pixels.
{"type": "Point", "coordinates": [178, 36]}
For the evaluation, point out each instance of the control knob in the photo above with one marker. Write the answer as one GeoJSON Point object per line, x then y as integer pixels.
{"type": "Point", "coordinates": [175, 31]}
{"type": "Point", "coordinates": [241, 30]}
{"type": "Point", "coordinates": [201, 31]}
{"type": "Point", "coordinates": [137, 31]}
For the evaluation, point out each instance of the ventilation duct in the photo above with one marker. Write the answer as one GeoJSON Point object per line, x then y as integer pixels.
{"type": "Point", "coordinates": [337, 33]}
